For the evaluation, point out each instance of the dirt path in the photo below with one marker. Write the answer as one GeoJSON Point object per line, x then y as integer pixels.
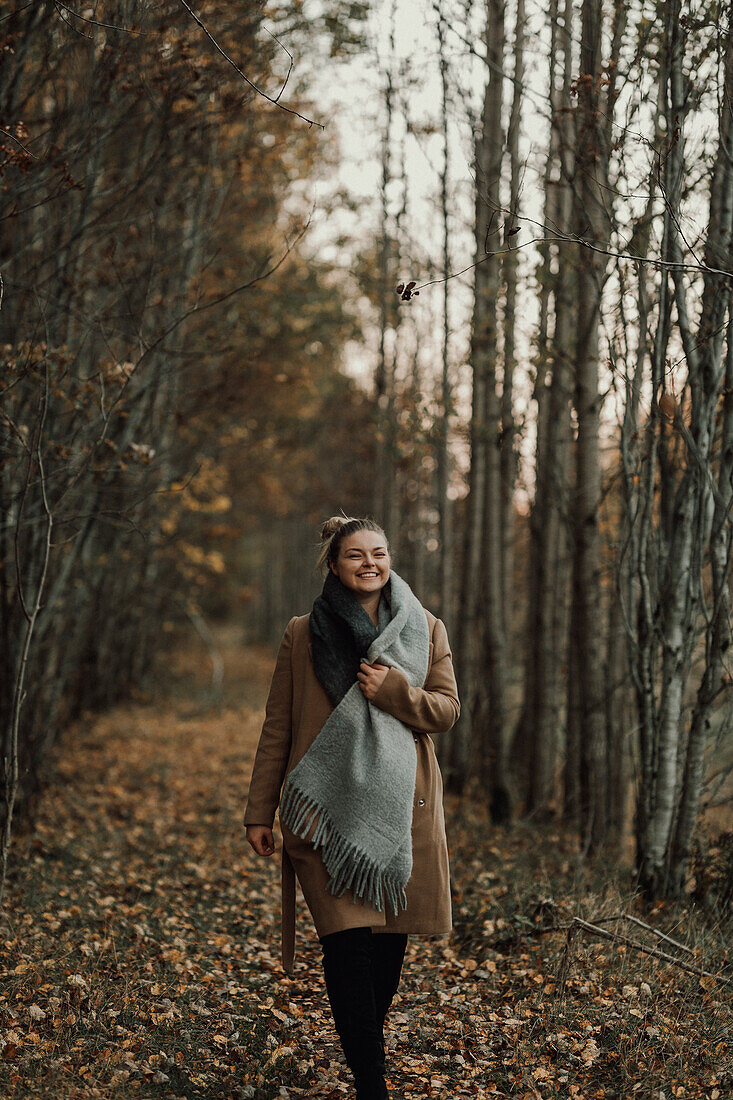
{"type": "Point", "coordinates": [140, 957]}
{"type": "Point", "coordinates": [142, 949]}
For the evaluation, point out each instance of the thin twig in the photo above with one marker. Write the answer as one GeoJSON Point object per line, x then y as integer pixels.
{"type": "Point", "coordinates": [18, 142]}
{"type": "Point", "coordinates": [275, 102]}
{"type": "Point", "coordinates": [648, 927]}
{"type": "Point", "coordinates": [87, 19]}
{"type": "Point", "coordinates": [569, 238]}
{"type": "Point", "coordinates": [615, 937]}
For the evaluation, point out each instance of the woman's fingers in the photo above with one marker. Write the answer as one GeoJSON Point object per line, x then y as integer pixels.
{"type": "Point", "coordinates": [262, 840]}
{"type": "Point", "coordinates": [371, 676]}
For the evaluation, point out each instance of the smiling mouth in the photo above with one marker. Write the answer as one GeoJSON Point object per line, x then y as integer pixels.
{"type": "Point", "coordinates": [367, 574]}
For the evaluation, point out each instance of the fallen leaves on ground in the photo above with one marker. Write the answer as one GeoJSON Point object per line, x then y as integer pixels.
{"type": "Point", "coordinates": [141, 953]}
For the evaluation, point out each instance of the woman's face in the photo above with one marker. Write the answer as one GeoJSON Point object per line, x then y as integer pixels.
{"type": "Point", "coordinates": [363, 562]}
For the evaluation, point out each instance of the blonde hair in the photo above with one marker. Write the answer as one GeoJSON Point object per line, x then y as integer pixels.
{"type": "Point", "coordinates": [335, 529]}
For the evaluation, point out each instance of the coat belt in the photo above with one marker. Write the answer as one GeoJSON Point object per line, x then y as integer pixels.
{"type": "Point", "coordinates": [287, 912]}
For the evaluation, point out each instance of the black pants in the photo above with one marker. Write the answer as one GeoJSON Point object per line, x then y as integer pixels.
{"type": "Point", "coordinates": [362, 972]}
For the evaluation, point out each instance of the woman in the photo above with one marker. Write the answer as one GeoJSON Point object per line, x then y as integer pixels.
{"type": "Point", "coordinates": [359, 685]}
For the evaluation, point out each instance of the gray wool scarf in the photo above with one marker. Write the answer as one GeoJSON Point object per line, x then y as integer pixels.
{"type": "Point", "coordinates": [358, 776]}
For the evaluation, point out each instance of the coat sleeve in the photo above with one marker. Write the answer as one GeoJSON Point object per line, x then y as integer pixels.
{"type": "Point", "coordinates": [433, 708]}
{"type": "Point", "coordinates": [273, 749]}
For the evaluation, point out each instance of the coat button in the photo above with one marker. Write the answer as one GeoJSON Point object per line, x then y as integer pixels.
{"type": "Point", "coordinates": [415, 739]}
{"type": "Point", "coordinates": [421, 801]}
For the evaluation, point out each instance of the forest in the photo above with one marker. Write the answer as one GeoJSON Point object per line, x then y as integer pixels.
{"type": "Point", "coordinates": [465, 268]}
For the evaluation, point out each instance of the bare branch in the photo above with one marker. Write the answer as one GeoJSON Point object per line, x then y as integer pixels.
{"type": "Point", "coordinates": [246, 79]}
{"type": "Point", "coordinates": [85, 19]}
{"type": "Point", "coordinates": [614, 937]}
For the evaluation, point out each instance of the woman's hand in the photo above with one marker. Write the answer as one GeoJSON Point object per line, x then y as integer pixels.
{"type": "Point", "coordinates": [261, 839]}
{"type": "Point", "coordinates": [371, 677]}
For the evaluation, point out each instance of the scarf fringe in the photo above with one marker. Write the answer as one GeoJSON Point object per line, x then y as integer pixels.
{"type": "Point", "coordinates": [347, 865]}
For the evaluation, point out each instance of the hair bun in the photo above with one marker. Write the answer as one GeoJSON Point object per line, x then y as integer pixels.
{"type": "Point", "coordinates": [331, 526]}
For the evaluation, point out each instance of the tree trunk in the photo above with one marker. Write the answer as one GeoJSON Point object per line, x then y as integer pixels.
{"type": "Point", "coordinates": [592, 223]}
{"type": "Point", "coordinates": [447, 565]}
{"type": "Point", "coordinates": [383, 507]}
{"type": "Point", "coordinates": [547, 606]}
{"type": "Point", "coordinates": [491, 686]}
{"type": "Point", "coordinates": [508, 455]}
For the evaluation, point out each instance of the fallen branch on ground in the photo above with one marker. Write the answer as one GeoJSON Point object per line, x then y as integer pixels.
{"type": "Point", "coordinates": [615, 937]}
{"type": "Point", "coordinates": [648, 928]}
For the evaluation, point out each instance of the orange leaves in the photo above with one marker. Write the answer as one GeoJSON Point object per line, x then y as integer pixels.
{"type": "Point", "coordinates": [148, 955]}
{"type": "Point", "coordinates": [204, 490]}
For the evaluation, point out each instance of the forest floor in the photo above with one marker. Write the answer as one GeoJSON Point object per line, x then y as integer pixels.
{"type": "Point", "coordinates": [140, 950]}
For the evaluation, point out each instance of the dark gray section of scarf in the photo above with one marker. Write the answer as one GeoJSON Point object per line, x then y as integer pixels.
{"type": "Point", "coordinates": [341, 633]}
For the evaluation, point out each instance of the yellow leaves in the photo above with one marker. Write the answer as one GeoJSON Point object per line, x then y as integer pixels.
{"type": "Point", "coordinates": [218, 504]}
{"type": "Point", "coordinates": [209, 559]}
{"type": "Point", "coordinates": [204, 491]}
{"type": "Point", "coordinates": [192, 553]}
{"type": "Point", "coordinates": [215, 561]}
{"type": "Point", "coordinates": [202, 495]}
{"type": "Point", "coordinates": [171, 954]}
{"type": "Point", "coordinates": [589, 1052]}
{"type": "Point", "coordinates": [78, 982]}
{"type": "Point", "coordinates": [281, 1016]}
{"type": "Point", "coordinates": [280, 1052]}
{"type": "Point", "coordinates": [214, 505]}
{"type": "Point", "coordinates": [164, 1010]}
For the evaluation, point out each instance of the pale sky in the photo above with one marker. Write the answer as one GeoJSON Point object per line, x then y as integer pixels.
{"type": "Point", "coordinates": [350, 99]}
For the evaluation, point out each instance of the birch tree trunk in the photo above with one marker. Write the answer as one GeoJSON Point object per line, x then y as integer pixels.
{"type": "Point", "coordinates": [593, 223]}
{"type": "Point", "coordinates": [678, 510]}
{"type": "Point", "coordinates": [490, 714]}
{"type": "Point", "coordinates": [384, 382]}
{"type": "Point", "coordinates": [538, 736]}
{"type": "Point", "coordinates": [479, 647]}
{"type": "Point", "coordinates": [447, 565]}
{"type": "Point", "coordinates": [508, 456]}
{"type": "Point", "coordinates": [697, 507]}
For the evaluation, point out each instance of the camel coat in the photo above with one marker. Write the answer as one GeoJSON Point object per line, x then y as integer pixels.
{"type": "Point", "coordinates": [296, 709]}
